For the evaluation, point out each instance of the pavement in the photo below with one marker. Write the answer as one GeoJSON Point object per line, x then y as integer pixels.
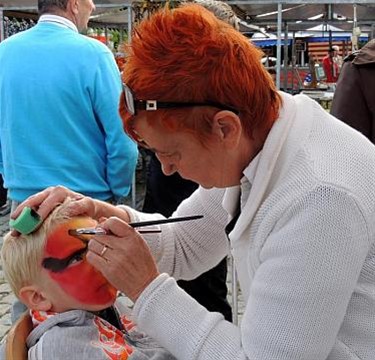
{"type": "Point", "coordinates": [6, 295]}
{"type": "Point", "coordinates": [7, 298]}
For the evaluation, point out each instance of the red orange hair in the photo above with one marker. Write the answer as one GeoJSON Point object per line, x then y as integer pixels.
{"type": "Point", "coordinates": [187, 54]}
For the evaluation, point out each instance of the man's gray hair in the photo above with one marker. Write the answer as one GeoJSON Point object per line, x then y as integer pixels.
{"type": "Point", "coordinates": [51, 6]}
{"type": "Point", "coordinates": [221, 10]}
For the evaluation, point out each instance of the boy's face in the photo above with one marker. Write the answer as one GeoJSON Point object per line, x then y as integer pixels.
{"type": "Point", "coordinates": [68, 279]}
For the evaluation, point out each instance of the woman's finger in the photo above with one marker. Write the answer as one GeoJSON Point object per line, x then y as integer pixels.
{"type": "Point", "coordinates": [82, 206]}
{"type": "Point", "coordinates": [102, 219]}
{"type": "Point", "coordinates": [123, 258]}
{"type": "Point", "coordinates": [116, 226]}
{"type": "Point", "coordinates": [97, 247]}
{"type": "Point", "coordinates": [44, 202]}
{"type": "Point", "coordinates": [56, 196]}
{"type": "Point", "coordinates": [99, 261]}
{"type": "Point", "coordinates": [32, 202]}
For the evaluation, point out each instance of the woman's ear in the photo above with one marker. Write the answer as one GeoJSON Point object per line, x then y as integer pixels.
{"type": "Point", "coordinates": [227, 127]}
{"type": "Point", "coordinates": [34, 299]}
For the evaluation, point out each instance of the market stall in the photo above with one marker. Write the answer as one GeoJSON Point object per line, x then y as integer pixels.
{"type": "Point", "coordinates": [283, 19]}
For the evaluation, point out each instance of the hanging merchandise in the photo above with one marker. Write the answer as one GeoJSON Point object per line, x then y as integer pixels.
{"type": "Point", "coordinates": [144, 8]}
{"type": "Point", "coordinates": [13, 26]}
{"type": "Point", "coordinates": [98, 34]}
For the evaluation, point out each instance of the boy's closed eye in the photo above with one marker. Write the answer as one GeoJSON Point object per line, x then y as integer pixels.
{"type": "Point", "coordinates": [59, 265]}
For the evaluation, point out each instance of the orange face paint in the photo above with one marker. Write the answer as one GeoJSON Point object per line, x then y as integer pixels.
{"type": "Point", "coordinates": [77, 277]}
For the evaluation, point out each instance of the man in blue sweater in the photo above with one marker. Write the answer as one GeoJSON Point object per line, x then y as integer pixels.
{"type": "Point", "coordinates": [59, 122]}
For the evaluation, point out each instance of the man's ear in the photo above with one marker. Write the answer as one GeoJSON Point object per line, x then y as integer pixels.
{"type": "Point", "coordinates": [72, 6]}
{"type": "Point", "coordinates": [34, 299]}
{"type": "Point", "coordinates": [227, 127]}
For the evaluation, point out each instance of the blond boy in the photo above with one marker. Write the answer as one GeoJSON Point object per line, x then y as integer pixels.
{"type": "Point", "coordinates": [70, 302]}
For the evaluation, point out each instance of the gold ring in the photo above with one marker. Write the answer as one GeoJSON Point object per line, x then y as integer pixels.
{"type": "Point", "coordinates": [104, 250]}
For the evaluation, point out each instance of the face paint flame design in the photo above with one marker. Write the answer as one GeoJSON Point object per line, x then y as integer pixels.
{"type": "Point", "coordinates": [66, 264]}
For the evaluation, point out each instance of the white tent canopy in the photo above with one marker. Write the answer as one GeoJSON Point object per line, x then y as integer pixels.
{"type": "Point", "coordinates": [296, 14]}
{"type": "Point", "coordinates": [299, 14]}
{"type": "Point", "coordinates": [14, 4]}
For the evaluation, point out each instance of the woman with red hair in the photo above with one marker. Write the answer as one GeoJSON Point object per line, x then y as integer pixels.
{"type": "Point", "coordinates": [196, 93]}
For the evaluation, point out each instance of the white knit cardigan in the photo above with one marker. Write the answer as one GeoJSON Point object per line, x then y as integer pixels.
{"type": "Point", "coordinates": [303, 247]}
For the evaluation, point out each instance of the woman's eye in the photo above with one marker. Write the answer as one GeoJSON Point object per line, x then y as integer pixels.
{"type": "Point", "coordinates": [165, 155]}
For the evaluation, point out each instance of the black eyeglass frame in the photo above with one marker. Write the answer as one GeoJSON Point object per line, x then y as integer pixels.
{"type": "Point", "coordinates": [132, 104]}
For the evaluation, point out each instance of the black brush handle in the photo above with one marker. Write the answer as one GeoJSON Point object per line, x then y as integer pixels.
{"type": "Point", "coordinates": [165, 221]}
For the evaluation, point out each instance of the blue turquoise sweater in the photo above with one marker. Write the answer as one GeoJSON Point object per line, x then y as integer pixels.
{"type": "Point", "coordinates": [59, 121]}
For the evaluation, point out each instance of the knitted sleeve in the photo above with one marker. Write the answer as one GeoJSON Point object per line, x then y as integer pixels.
{"type": "Point", "coordinates": [187, 249]}
{"type": "Point", "coordinates": [309, 266]}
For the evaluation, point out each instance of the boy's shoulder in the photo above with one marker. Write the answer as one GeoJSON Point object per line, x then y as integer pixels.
{"type": "Point", "coordinates": [62, 335]}
{"type": "Point", "coordinates": [71, 334]}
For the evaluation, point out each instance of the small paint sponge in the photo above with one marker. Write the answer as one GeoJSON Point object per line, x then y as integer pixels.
{"type": "Point", "coordinates": [26, 222]}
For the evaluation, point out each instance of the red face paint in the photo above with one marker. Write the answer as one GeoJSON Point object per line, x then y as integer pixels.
{"type": "Point", "coordinates": [80, 279]}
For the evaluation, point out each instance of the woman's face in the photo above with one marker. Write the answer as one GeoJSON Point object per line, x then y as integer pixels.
{"type": "Point", "coordinates": [70, 281]}
{"type": "Point", "coordinates": [209, 166]}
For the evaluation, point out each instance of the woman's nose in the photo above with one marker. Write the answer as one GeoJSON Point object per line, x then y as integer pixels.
{"type": "Point", "coordinates": [168, 168]}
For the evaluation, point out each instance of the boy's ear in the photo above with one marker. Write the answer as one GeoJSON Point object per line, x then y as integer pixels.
{"type": "Point", "coordinates": [34, 299]}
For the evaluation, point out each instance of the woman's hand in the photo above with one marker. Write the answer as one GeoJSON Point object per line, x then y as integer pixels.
{"type": "Point", "coordinates": [45, 201]}
{"type": "Point", "coordinates": [123, 258]}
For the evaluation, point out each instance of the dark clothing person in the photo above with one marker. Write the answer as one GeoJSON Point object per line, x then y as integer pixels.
{"type": "Point", "coordinates": [354, 102]}
{"type": "Point", "coordinates": [163, 195]}
{"type": "Point", "coordinates": [3, 192]}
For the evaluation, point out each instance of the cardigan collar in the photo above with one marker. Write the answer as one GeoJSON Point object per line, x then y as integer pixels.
{"type": "Point", "coordinates": [265, 170]}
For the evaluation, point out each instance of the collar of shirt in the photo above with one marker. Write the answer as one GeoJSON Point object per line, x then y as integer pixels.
{"type": "Point", "coordinates": [236, 196]}
{"type": "Point", "coordinates": [248, 179]}
{"type": "Point", "coordinates": [59, 20]}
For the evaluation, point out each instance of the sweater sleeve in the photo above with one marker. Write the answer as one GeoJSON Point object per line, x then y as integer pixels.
{"type": "Point", "coordinates": [122, 152]}
{"type": "Point", "coordinates": [188, 249]}
{"type": "Point", "coordinates": [309, 266]}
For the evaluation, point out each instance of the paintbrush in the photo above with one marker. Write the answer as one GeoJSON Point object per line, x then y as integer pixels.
{"type": "Point", "coordinates": [100, 231]}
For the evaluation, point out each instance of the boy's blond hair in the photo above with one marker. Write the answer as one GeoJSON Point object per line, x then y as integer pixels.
{"type": "Point", "coordinates": [21, 256]}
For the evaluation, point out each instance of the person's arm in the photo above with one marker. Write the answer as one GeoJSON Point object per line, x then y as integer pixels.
{"type": "Point", "coordinates": [183, 249]}
{"type": "Point", "coordinates": [187, 249]}
{"type": "Point", "coordinates": [45, 201]}
{"type": "Point", "coordinates": [309, 266]}
{"type": "Point", "coordinates": [122, 152]}
{"type": "Point", "coordinates": [349, 101]}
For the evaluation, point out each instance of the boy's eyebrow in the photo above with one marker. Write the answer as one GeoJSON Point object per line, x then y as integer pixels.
{"type": "Point", "coordinates": [58, 265]}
